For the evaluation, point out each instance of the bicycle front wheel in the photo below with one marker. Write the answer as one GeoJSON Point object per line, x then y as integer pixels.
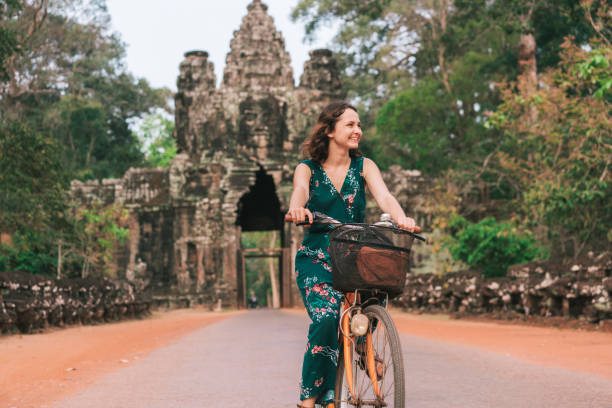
{"type": "Point", "coordinates": [386, 345]}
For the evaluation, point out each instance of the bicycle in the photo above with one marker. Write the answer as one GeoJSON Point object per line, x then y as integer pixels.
{"type": "Point", "coordinates": [369, 265]}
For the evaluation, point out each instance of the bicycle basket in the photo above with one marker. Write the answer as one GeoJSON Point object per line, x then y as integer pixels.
{"type": "Point", "coordinates": [369, 257]}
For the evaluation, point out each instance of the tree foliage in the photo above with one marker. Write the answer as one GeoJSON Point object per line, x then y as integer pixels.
{"type": "Point", "coordinates": [30, 252]}
{"type": "Point", "coordinates": [156, 132]}
{"type": "Point", "coordinates": [33, 198]}
{"type": "Point", "coordinates": [101, 230]}
{"type": "Point", "coordinates": [377, 40]}
{"type": "Point", "coordinates": [69, 82]}
{"type": "Point", "coordinates": [8, 37]}
{"type": "Point", "coordinates": [490, 246]}
{"type": "Point", "coordinates": [559, 166]}
{"type": "Point", "coordinates": [431, 65]}
{"type": "Point", "coordinates": [487, 97]}
{"type": "Point", "coordinates": [33, 181]}
{"type": "Point", "coordinates": [66, 105]}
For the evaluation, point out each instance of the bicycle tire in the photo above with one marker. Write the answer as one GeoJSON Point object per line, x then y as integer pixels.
{"type": "Point", "coordinates": [393, 392]}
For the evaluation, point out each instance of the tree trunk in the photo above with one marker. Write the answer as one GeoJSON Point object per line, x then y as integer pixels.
{"type": "Point", "coordinates": [528, 73]}
{"type": "Point", "coordinates": [59, 260]}
{"type": "Point", "coordinates": [39, 12]}
{"type": "Point", "coordinates": [273, 277]}
{"type": "Point", "coordinates": [441, 48]}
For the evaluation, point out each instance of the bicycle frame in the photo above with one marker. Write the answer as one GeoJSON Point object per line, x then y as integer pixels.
{"type": "Point", "coordinates": [352, 301]}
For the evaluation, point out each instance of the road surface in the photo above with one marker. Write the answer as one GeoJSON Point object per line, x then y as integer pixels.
{"type": "Point", "coordinates": [253, 359]}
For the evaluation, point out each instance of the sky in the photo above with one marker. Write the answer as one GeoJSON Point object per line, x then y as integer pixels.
{"type": "Point", "coordinates": [159, 32]}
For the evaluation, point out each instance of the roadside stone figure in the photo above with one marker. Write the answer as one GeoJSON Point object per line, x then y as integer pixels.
{"type": "Point", "coordinates": [138, 275]}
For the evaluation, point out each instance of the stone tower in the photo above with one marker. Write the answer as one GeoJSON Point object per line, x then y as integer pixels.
{"type": "Point", "coordinates": [238, 146]}
{"type": "Point", "coordinates": [257, 60]}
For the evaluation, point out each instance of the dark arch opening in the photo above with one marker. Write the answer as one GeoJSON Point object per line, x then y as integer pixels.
{"type": "Point", "coordinates": [259, 209]}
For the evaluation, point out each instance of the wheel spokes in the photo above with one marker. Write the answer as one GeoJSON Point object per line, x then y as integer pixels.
{"type": "Point", "coordinates": [385, 344]}
{"type": "Point", "coordinates": [365, 395]}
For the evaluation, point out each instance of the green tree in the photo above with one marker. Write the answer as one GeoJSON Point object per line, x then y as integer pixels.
{"type": "Point", "coordinates": [490, 246]}
{"type": "Point", "coordinates": [378, 40]}
{"type": "Point", "coordinates": [33, 182]}
{"type": "Point", "coordinates": [434, 64]}
{"type": "Point", "coordinates": [157, 133]}
{"type": "Point", "coordinates": [100, 231]}
{"type": "Point", "coordinates": [70, 82]}
{"type": "Point", "coordinates": [8, 38]}
{"type": "Point", "coordinates": [429, 129]}
{"type": "Point", "coordinates": [66, 102]}
{"type": "Point", "coordinates": [559, 165]}
{"type": "Point", "coordinates": [29, 252]}
{"type": "Point", "coordinates": [33, 198]}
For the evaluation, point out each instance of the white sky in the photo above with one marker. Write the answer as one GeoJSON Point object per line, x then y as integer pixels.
{"type": "Point", "coordinates": [159, 32]}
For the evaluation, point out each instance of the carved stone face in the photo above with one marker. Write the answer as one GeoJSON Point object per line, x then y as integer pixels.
{"type": "Point", "coordinates": [262, 127]}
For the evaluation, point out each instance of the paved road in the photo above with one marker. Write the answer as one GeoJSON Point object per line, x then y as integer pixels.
{"type": "Point", "coordinates": [253, 359]}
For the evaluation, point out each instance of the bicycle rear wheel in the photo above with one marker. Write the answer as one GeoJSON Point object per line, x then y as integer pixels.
{"type": "Point", "coordinates": [386, 345]}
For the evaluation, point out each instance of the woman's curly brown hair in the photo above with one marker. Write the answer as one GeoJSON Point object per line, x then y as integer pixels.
{"type": "Point", "coordinates": [316, 146]}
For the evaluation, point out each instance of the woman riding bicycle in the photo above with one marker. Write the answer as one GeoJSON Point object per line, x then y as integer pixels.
{"type": "Point", "coordinates": [332, 182]}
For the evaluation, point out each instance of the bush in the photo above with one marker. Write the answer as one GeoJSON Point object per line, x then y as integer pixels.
{"type": "Point", "coordinates": [490, 246]}
{"type": "Point", "coordinates": [29, 252]}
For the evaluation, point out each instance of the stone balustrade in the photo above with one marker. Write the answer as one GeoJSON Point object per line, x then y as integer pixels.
{"type": "Point", "coordinates": [580, 290]}
{"type": "Point", "coordinates": [29, 303]}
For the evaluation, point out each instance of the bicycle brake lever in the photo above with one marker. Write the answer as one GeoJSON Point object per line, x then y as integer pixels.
{"type": "Point", "coordinates": [320, 219]}
{"type": "Point", "coordinates": [420, 238]}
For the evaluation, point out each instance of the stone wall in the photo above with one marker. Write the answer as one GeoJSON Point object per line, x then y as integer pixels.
{"type": "Point", "coordinates": [581, 290]}
{"type": "Point", "coordinates": [29, 303]}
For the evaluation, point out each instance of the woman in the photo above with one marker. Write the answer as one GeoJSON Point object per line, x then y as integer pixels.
{"type": "Point", "coordinates": [332, 182]}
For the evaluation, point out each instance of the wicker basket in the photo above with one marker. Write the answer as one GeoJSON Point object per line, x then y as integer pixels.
{"type": "Point", "coordinates": [369, 257]}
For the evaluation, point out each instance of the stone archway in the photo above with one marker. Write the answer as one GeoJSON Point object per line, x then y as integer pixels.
{"type": "Point", "coordinates": [260, 210]}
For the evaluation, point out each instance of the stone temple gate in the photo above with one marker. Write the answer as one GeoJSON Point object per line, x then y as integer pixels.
{"type": "Point", "coordinates": [238, 145]}
{"type": "Point", "coordinates": [237, 148]}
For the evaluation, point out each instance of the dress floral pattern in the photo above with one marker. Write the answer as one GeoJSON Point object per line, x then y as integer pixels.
{"type": "Point", "coordinates": [314, 279]}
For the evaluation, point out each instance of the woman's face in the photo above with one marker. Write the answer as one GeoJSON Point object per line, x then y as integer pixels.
{"type": "Point", "coordinates": [347, 132]}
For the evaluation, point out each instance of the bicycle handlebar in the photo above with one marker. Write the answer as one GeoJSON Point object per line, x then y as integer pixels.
{"type": "Point", "coordinates": [322, 219]}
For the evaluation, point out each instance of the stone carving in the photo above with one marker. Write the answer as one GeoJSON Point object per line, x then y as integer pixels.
{"type": "Point", "coordinates": [321, 73]}
{"type": "Point", "coordinates": [138, 275]}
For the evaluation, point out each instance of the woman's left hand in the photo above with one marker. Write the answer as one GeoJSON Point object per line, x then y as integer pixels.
{"type": "Point", "coordinates": [408, 224]}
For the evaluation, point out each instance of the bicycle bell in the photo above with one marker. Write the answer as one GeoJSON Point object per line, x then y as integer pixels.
{"type": "Point", "coordinates": [385, 220]}
{"type": "Point", "coordinates": [359, 324]}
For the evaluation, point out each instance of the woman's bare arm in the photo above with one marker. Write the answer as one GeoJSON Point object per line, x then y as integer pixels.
{"type": "Point", "coordinates": [383, 197]}
{"type": "Point", "coordinates": [299, 197]}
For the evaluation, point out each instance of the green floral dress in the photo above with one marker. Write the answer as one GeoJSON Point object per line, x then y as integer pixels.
{"type": "Point", "coordinates": [313, 276]}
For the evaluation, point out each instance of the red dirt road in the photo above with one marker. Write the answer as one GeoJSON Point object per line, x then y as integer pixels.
{"type": "Point", "coordinates": [576, 350]}
{"type": "Point", "coordinates": [38, 370]}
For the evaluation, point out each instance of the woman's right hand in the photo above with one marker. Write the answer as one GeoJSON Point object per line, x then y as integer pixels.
{"type": "Point", "coordinates": [299, 214]}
